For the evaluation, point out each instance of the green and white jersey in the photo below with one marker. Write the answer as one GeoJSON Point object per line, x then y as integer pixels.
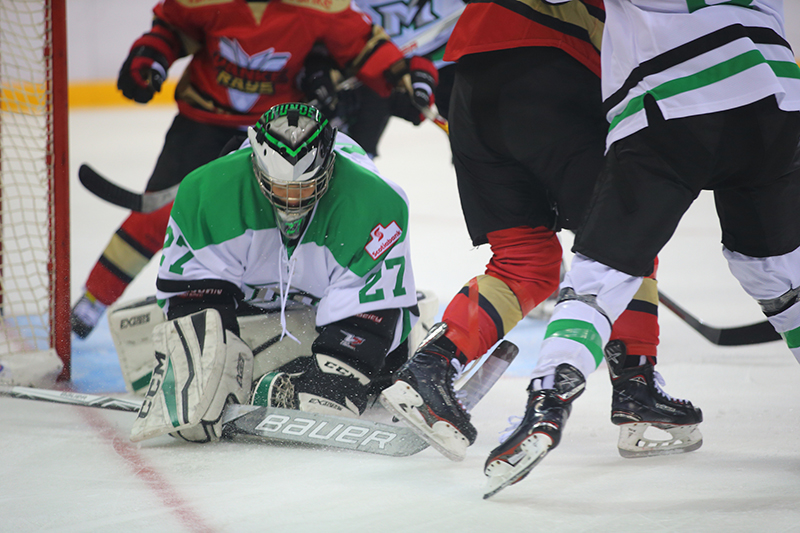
{"type": "Point", "coordinates": [353, 257]}
{"type": "Point", "coordinates": [695, 57]}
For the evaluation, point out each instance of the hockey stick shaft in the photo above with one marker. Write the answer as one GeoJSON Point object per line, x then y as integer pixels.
{"type": "Point", "coordinates": [478, 384]}
{"type": "Point", "coordinates": [757, 333]}
{"type": "Point", "coordinates": [71, 398]}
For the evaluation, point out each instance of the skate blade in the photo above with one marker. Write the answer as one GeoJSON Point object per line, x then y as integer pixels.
{"type": "Point", "coordinates": [633, 443]}
{"type": "Point", "coordinates": [502, 474]}
{"type": "Point", "coordinates": [404, 403]}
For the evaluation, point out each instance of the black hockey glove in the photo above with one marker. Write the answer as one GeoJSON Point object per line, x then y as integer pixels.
{"type": "Point", "coordinates": [151, 55]}
{"type": "Point", "coordinates": [424, 77]}
{"type": "Point", "coordinates": [142, 74]}
{"type": "Point", "coordinates": [317, 84]}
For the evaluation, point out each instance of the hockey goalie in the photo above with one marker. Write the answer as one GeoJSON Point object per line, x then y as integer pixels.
{"type": "Point", "coordinates": [286, 281]}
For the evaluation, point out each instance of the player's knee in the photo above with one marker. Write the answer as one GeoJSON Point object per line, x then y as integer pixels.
{"type": "Point", "coordinates": [528, 260]}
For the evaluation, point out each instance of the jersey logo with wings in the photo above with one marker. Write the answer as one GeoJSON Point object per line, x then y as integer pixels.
{"type": "Point", "coordinates": [247, 76]}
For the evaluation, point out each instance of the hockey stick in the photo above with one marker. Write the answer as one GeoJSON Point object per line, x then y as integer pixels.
{"type": "Point", "coordinates": [101, 187]}
{"type": "Point", "coordinates": [300, 427]}
{"type": "Point", "coordinates": [71, 398]}
{"type": "Point", "coordinates": [757, 333]}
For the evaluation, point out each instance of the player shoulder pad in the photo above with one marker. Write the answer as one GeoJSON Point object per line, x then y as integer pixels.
{"type": "Point", "coordinates": [326, 6]}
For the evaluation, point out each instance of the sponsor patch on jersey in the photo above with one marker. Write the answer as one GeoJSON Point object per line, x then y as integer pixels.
{"type": "Point", "coordinates": [382, 239]}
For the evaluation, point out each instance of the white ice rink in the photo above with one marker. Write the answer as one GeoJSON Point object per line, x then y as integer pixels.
{"type": "Point", "coordinates": [73, 469]}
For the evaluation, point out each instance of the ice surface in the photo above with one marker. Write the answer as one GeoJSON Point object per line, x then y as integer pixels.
{"type": "Point", "coordinates": [73, 469]}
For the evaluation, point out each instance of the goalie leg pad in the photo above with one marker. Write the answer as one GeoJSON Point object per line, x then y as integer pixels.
{"type": "Point", "coordinates": [199, 369]}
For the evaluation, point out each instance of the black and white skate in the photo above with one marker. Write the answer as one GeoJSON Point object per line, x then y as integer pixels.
{"type": "Point", "coordinates": [538, 432]}
{"type": "Point", "coordinates": [423, 396]}
{"type": "Point", "coordinates": [638, 403]}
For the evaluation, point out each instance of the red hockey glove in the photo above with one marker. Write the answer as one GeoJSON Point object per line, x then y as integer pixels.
{"type": "Point", "coordinates": [423, 80]}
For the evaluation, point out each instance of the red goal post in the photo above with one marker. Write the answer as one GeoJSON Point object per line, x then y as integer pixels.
{"type": "Point", "coordinates": [34, 182]}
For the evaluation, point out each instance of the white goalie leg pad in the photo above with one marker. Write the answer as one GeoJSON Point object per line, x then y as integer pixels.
{"type": "Point", "coordinates": [131, 325]}
{"type": "Point", "coordinates": [263, 334]}
{"type": "Point", "coordinates": [200, 368]}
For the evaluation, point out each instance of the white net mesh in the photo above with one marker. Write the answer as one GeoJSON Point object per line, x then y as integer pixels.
{"type": "Point", "coordinates": [25, 175]}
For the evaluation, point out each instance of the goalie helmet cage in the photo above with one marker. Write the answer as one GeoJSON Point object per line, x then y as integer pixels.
{"type": "Point", "coordinates": [34, 187]}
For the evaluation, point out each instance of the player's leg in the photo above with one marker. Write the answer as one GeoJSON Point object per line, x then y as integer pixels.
{"type": "Point", "coordinates": [187, 146]}
{"type": "Point", "coordinates": [593, 295]}
{"type": "Point", "coordinates": [639, 401]}
{"type": "Point", "coordinates": [505, 205]}
{"type": "Point", "coordinates": [761, 238]}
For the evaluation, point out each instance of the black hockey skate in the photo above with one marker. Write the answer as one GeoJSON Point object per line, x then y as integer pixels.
{"type": "Point", "coordinates": [638, 402]}
{"type": "Point", "coordinates": [538, 432]}
{"type": "Point", "coordinates": [85, 315]}
{"type": "Point", "coordinates": [423, 396]}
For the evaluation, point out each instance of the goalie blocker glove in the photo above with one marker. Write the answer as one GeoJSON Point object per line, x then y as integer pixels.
{"type": "Point", "coordinates": [415, 83]}
{"type": "Point", "coordinates": [145, 69]}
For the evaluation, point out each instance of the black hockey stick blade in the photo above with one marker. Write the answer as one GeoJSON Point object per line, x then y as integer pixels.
{"type": "Point", "coordinates": [757, 333]}
{"type": "Point", "coordinates": [111, 192]}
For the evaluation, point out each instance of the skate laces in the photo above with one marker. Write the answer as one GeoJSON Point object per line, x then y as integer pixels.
{"type": "Point", "coordinates": [514, 422]}
{"type": "Point", "coordinates": [660, 382]}
{"type": "Point", "coordinates": [459, 370]}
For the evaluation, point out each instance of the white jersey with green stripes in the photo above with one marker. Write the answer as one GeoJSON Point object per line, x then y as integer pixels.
{"type": "Point", "coordinates": [353, 257]}
{"type": "Point", "coordinates": [694, 57]}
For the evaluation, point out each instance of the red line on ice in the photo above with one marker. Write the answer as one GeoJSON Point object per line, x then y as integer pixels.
{"type": "Point", "coordinates": [146, 473]}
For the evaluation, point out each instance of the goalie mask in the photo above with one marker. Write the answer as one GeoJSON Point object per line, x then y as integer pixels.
{"type": "Point", "coordinates": [293, 161]}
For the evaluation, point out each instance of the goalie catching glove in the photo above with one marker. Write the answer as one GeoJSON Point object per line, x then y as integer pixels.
{"type": "Point", "coordinates": [200, 368]}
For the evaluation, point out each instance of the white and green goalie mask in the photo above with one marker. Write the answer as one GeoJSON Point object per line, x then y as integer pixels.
{"type": "Point", "coordinates": [293, 161]}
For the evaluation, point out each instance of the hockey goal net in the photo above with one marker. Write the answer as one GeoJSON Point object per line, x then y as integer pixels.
{"type": "Point", "coordinates": [34, 194]}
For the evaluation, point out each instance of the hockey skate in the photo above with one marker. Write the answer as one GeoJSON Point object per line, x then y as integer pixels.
{"type": "Point", "coordinates": [538, 432]}
{"type": "Point", "coordinates": [638, 403]}
{"type": "Point", "coordinates": [86, 314]}
{"type": "Point", "coordinates": [423, 396]}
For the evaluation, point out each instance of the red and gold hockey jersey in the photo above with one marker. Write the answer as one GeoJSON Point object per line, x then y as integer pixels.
{"type": "Point", "coordinates": [246, 56]}
{"type": "Point", "coordinates": [487, 25]}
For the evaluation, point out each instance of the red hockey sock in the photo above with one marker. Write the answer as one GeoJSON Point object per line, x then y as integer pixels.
{"type": "Point", "coordinates": [522, 272]}
{"type": "Point", "coordinates": [130, 249]}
